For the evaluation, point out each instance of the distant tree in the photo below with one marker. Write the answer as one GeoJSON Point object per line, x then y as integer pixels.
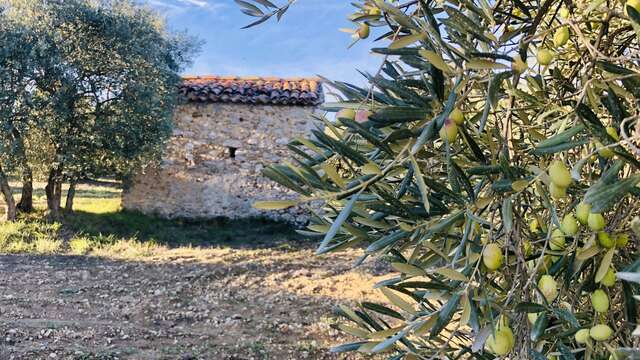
{"type": "Point", "coordinates": [106, 88]}
{"type": "Point", "coordinates": [17, 66]}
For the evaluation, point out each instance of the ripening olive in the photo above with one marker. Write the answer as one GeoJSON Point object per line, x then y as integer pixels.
{"type": "Point", "coordinates": [596, 221]}
{"type": "Point", "coordinates": [559, 174]}
{"type": "Point", "coordinates": [600, 332]}
{"type": "Point", "coordinates": [548, 287]}
{"type": "Point", "coordinates": [449, 131]}
{"type": "Point", "coordinates": [492, 256]}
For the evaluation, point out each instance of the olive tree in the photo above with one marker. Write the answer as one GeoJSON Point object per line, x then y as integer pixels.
{"type": "Point", "coordinates": [17, 66]}
{"type": "Point", "coordinates": [494, 163]}
{"type": "Point", "coordinates": [106, 88]}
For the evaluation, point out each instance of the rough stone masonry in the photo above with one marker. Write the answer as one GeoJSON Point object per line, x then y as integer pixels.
{"type": "Point", "coordinates": [226, 132]}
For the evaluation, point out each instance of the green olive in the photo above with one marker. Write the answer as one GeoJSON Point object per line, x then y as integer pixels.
{"type": "Point", "coordinates": [600, 301]}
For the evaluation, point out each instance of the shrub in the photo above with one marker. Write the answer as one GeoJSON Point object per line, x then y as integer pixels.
{"type": "Point", "coordinates": [492, 162]}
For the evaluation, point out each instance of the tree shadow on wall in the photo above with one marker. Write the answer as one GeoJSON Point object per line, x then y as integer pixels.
{"type": "Point", "coordinates": [242, 233]}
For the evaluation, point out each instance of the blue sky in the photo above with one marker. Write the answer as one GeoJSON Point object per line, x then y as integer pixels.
{"type": "Point", "coordinates": [305, 42]}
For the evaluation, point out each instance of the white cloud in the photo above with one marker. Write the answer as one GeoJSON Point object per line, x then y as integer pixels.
{"type": "Point", "coordinates": [199, 3]}
{"type": "Point", "coordinates": [179, 5]}
{"type": "Point", "coordinates": [162, 4]}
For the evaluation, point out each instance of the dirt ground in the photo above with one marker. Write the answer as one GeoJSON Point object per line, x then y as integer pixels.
{"type": "Point", "coordinates": [184, 303]}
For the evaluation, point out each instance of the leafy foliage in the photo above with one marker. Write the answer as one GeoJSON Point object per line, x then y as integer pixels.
{"type": "Point", "coordinates": [102, 86]}
{"type": "Point", "coordinates": [493, 163]}
{"type": "Point", "coordinates": [17, 64]}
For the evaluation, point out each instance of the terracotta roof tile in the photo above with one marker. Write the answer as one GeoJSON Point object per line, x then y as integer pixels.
{"type": "Point", "coordinates": [253, 90]}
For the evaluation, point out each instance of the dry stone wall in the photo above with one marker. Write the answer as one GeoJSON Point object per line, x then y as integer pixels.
{"type": "Point", "coordinates": [212, 164]}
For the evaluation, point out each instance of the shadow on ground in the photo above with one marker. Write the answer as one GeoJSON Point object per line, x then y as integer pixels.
{"type": "Point", "coordinates": [99, 218]}
{"type": "Point", "coordinates": [241, 233]}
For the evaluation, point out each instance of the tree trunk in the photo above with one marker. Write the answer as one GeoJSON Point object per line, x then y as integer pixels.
{"type": "Point", "coordinates": [48, 189]}
{"type": "Point", "coordinates": [53, 191]}
{"type": "Point", "coordinates": [58, 194]}
{"type": "Point", "coordinates": [26, 200]}
{"type": "Point", "coordinates": [71, 193]}
{"type": "Point", "coordinates": [8, 197]}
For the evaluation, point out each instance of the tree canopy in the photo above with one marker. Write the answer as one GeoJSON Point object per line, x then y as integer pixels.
{"type": "Point", "coordinates": [493, 161]}
{"type": "Point", "coordinates": [17, 65]}
{"type": "Point", "coordinates": [102, 87]}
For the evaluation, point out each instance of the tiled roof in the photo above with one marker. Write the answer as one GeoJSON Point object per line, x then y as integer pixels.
{"type": "Point", "coordinates": [252, 90]}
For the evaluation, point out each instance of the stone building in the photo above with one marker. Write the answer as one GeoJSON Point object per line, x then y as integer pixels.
{"type": "Point", "coordinates": [225, 133]}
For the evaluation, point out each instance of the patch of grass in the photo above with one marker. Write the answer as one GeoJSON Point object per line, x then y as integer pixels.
{"type": "Point", "coordinates": [97, 205]}
{"type": "Point", "coordinates": [26, 236]}
{"type": "Point", "coordinates": [127, 248]}
{"type": "Point", "coordinates": [47, 245]}
{"type": "Point", "coordinates": [80, 245]}
{"type": "Point", "coordinates": [99, 226]}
